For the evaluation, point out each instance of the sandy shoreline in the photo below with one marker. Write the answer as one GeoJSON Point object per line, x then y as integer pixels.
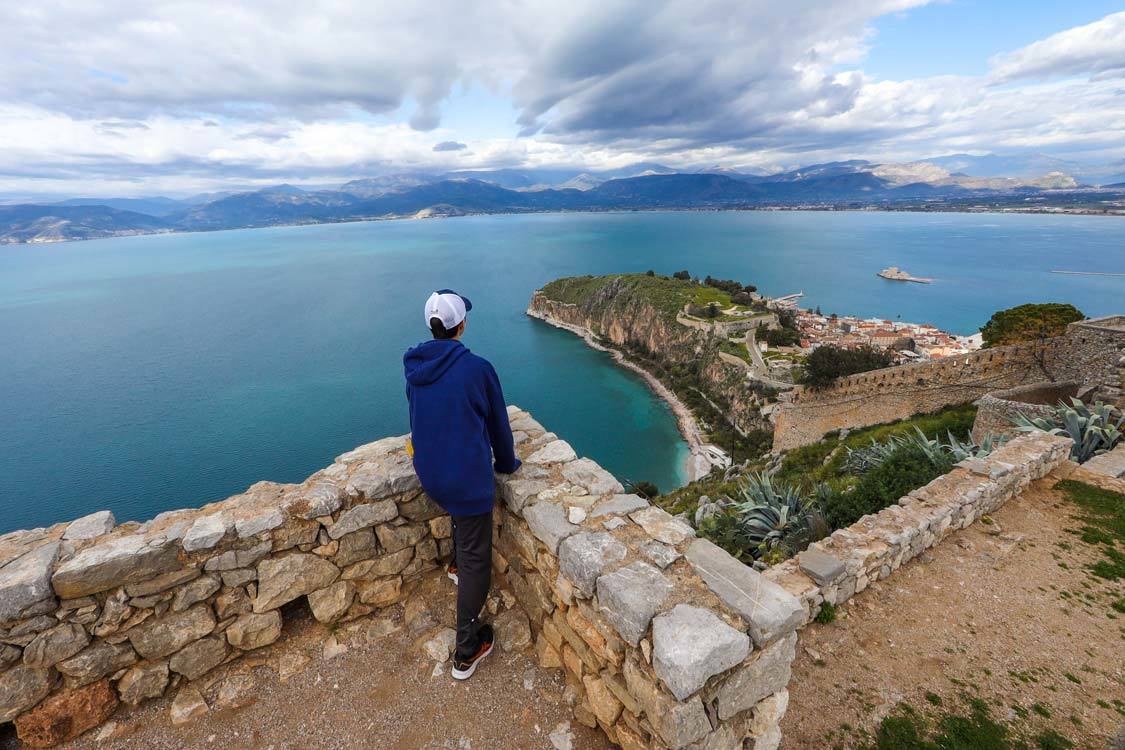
{"type": "Point", "coordinates": [697, 464]}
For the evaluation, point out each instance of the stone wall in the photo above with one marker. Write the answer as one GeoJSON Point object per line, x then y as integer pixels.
{"type": "Point", "coordinates": [996, 411]}
{"type": "Point", "coordinates": [92, 613]}
{"type": "Point", "coordinates": [835, 569]}
{"type": "Point", "coordinates": [1091, 352]}
{"type": "Point", "coordinates": [666, 640]}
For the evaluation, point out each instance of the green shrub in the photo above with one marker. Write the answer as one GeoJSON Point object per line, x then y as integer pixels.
{"type": "Point", "coordinates": [782, 337]}
{"type": "Point", "coordinates": [827, 363]}
{"type": "Point", "coordinates": [1029, 323]}
{"type": "Point", "coordinates": [907, 468]}
{"type": "Point", "coordinates": [826, 614]}
{"type": "Point", "coordinates": [726, 530]}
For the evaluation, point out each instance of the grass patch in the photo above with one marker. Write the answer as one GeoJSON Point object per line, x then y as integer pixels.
{"type": "Point", "coordinates": [1052, 740]}
{"type": "Point", "coordinates": [1103, 516]}
{"type": "Point", "coordinates": [909, 730]}
{"type": "Point", "coordinates": [969, 726]}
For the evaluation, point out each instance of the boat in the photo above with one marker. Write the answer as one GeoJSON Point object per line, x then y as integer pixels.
{"type": "Point", "coordinates": [894, 273]}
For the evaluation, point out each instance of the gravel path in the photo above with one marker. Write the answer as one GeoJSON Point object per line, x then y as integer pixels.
{"type": "Point", "coordinates": [1006, 612]}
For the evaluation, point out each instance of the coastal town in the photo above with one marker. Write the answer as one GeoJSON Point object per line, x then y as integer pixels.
{"type": "Point", "coordinates": [909, 341]}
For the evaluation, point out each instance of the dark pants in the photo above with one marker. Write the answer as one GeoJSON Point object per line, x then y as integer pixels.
{"type": "Point", "coordinates": [472, 554]}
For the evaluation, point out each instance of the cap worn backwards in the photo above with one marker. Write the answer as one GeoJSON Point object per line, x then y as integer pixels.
{"type": "Point", "coordinates": [447, 306]}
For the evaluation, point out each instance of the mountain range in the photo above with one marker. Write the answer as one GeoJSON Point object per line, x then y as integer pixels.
{"type": "Point", "coordinates": [924, 185]}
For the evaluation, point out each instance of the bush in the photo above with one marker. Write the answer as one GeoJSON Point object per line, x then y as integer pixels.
{"type": "Point", "coordinates": [682, 275]}
{"type": "Point", "coordinates": [782, 337]}
{"type": "Point", "coordinates": [742, 298]}
{"type": "Point", "coordinates": [907, 468]}
{"type": "Point", "coordinates": [646, 489]}
{"type": "Point", "coordinates": [730, 286]}
{"type": "Point", "coordinates": [1029, 323]}
{"type": "Point", "coordinates": [726, 531]}
{"type": "Point", "coordinates": [827, 363]}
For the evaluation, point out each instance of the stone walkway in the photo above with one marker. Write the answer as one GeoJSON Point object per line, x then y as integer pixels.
{"type": "Point", "coordinates": [1004, 611]}
{"type": "Point", "coordinates": [366, 684]}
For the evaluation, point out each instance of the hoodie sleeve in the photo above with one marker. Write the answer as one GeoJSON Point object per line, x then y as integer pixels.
{"type": "Point", "coordinates": [499, 429]}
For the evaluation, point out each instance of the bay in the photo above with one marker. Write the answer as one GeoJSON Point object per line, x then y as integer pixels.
{"type": "Point", "coordinates": [148, 373]}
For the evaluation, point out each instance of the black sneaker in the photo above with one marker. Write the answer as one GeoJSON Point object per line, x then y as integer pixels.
{"type": "Point", "coordinates": [463, 669]}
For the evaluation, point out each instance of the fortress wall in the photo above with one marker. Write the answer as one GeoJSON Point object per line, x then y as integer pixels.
{"type": "Point", "coordinates": [618, 594]}
{"type": "Point", "coordinates": [1089, 352]}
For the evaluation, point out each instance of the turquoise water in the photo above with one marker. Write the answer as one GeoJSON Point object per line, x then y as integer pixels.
{"type": "Point", "coordinates": [149, 373]}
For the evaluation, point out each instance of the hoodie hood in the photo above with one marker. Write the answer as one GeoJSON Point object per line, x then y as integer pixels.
{"type": "Point", "coordinates": [427, 362]}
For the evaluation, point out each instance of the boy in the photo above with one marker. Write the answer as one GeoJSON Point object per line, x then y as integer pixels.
{"type": "Point", "coordinates": [458, 424]}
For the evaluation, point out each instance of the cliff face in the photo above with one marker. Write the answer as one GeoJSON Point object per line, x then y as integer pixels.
{"type": "Point", "coordinates": [638, 314]}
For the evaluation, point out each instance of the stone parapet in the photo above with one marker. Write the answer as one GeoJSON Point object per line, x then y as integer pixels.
{"type": "Point", "coordinates": [133, 610]}
{"type": "Point", "coordinates": [667, 641]}
{"type": "Point", "coordinates": [835, 569]}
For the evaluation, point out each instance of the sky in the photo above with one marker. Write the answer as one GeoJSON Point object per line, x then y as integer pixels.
{"type": "Point", "coordinates": [175, 97]}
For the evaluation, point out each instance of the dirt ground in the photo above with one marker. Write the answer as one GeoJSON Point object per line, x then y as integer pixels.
{"type": "Point", "coordinates": [382, 692]}
{"type": "Point", "coordinates": [1005, 612]}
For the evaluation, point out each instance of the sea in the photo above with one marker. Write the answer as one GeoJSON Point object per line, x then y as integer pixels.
{"type": "Point", "coordinates": [142, 374]}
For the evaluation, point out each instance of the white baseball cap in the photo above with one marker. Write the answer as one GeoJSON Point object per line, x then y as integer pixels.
{"type": "Point", "coordinates": [447, 306]}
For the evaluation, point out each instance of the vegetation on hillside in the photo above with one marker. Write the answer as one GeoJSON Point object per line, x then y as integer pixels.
{"type": "Point", "coordinates": [827, 363]}
{"type": "Point", "coordinates": [1031, 322]}
{"type": "Point", "coordinates": [824, 486]}
{"type": "Point", "coordinates": [668, 295]}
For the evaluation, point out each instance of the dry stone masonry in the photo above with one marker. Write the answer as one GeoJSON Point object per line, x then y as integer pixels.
{"type": "Point", "coordinates": [666, 641]}
{"type": "Point", "coordinates": [839, 567]}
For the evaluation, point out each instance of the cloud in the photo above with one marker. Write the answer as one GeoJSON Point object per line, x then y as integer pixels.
{"type": "Point", "coordinates": [189, 96]}
{"type": "Point", "coordinates": [1096, 49]}
{"type": "Point", "coordinates": [450, 146]}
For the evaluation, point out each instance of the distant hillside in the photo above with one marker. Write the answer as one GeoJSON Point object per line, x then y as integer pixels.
{"type": "Point", "coordinates": [28, 223]}
{"type": "Point", "coordinates": [155, 206]}
{"type": "Point", "coordinates": [923, 185]}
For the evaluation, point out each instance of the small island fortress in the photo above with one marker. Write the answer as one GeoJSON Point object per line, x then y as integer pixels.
{"type": "Point", "coordinates": [894, 273]}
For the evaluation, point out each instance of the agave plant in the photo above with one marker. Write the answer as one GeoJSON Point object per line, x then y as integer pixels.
{"type": "Point", "coordinates": [772, 513]}
{"type": "Point", "coordinates": [1094, 429]}
{"type": "Point", "coordinates": [969, 448]}
{"type": "Point", "coordinates": [862, 460]}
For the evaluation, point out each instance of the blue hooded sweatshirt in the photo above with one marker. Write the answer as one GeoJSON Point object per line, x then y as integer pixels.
{"type": "Point", "coordinates": [458, 422]}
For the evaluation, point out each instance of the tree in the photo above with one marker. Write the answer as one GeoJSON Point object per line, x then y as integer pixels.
{"type": "Point", "coordinates": [782, 337]}
{"type": "Point", "coordinates": [713, 310]}
{"type": "Point", "coordinates": [827, 363]}
{"type": "Point", "coordinates": [682, 275]}
{"type": "Point", "coordinates": [742, 298]}
{"type": "Point", "coordinates": [650, 272]}
{"type": "Point", "coordinates": [1031, 322]}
